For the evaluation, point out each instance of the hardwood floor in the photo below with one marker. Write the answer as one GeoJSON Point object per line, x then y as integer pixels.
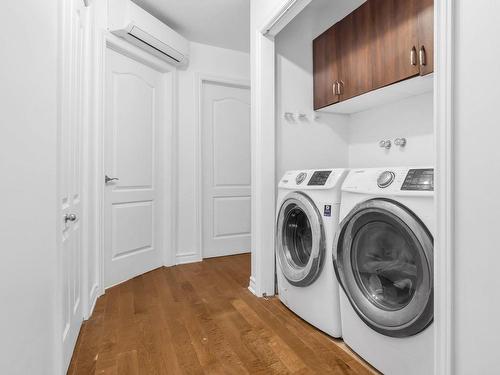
{"type": "Point", "coordinates": [201, 319]}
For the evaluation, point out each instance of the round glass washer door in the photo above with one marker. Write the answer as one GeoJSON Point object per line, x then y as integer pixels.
{"type": "Point", "coordinates": [383, 257]}
{"type": "Point", "coordinates": [300, 240]}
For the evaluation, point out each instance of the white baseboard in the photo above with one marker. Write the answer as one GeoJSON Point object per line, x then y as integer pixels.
{"type": "Point", "coordinates": [185, 258]}
{"type": "Point", "coordinates": [252, 286]}
{"type": "Point", "coordinates": [94, 294]}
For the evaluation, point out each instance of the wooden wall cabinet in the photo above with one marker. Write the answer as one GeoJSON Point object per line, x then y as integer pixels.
{"type": "Point", "coordinates": [380, 43]}
{"type": "Point", "coordinates": [326, 69]}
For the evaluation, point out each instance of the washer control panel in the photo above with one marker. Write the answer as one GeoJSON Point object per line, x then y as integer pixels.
{"type": "Point", "coordinates": [385, 179]}
{"type": "Point", "coordinates": [419, 179]}
{"type": "Point", "coordinates": [319, 178]}
{"type": "Point", "coordinates": [300, 178]}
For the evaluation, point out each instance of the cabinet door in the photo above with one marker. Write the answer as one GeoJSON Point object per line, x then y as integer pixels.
{"type": "Point", "coordinates": [325, 68]}
{"type": "Point", "coordinates": [394, 33]}
{"type": "Point", "coordinates": [354, 35]}
{"type": "Point", "coordinates": [426, 36]}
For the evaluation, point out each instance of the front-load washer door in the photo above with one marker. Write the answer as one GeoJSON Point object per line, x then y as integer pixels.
{"type": "Point", "coordinates": [300, 240]}
{"type": "Point", "coordinates": [383, 258]}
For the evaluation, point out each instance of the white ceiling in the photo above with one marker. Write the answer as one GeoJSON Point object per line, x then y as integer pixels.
{"type": "Point", "coordinates": [222, 23]}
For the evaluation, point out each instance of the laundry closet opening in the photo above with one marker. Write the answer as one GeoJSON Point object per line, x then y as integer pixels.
{"type": "Point", "coordinates": [354, 93]}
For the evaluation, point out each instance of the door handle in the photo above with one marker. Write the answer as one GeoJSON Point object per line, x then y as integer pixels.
{"type": "Point", "coordinates": [69, 217]}
{"type": "Point", "coordinates": [422, 56]}
{"type": "Point", "coordinates": [413, 56]}
{"type": "Point", "coordinates": [108, 179]}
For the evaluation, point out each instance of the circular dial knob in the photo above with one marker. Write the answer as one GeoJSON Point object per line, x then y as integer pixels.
{"type": "Point", "coordinates": [300, 178]}
{"type": "Point", "coordinates": [385, 179]}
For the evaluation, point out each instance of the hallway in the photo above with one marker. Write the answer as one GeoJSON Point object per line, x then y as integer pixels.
{"type": "Point", "coordinates": [200, 318]}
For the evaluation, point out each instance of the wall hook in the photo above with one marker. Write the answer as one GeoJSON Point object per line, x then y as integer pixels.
{"type": "Point", "coordinates": [385, 144]}
{"type": "Point", "coordinates": [401, 142]}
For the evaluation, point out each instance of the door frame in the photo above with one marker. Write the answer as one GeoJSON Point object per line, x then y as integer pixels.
{"type": "Point", "coordinates": [63, 72]}
{"type": "Point", "coordinates": [200, 80]}
{"type": "Point", "coordinates": [168, 138]}
{"type": "Point", "coordinates": [262, 280]}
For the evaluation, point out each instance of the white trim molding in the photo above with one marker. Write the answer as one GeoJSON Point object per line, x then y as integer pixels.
{"type": "Point", "coordinates": [444, 238]}
{"type": "Point", "coordinates": [200, 79]}
{"type": "Point", "coordinates": [264, 148]}
{"type": "Point", "coordinates": [282, 16]}
{"type": "Point", "coordinates": [191, 257]}
{"type": "Point", "coordinates": [251, 286]}
{"type": "Point", "coordinates": [263, 166]}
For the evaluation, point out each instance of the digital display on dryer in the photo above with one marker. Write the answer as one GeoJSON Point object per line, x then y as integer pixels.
{"type": "Point", "coordinates": [419, 179]}
{"type": "Point", "coordinates": [319, 178]}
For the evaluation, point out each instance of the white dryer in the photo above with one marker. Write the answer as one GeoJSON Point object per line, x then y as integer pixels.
{"type": "Point", "coordinates": [383, 258]}
{"type": "Point", "coordinates": [307, 217]}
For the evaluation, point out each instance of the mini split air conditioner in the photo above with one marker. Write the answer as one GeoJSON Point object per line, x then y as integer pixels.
{"type": "Point", "coordinates": [134, 24]}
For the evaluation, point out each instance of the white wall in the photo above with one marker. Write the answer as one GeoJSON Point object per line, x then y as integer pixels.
{"type": "Point", "coordinates": [207, 60]}
{"type": "Point", "coordinates": [309, 143]}
{"type": "Point", "coordinates": [28, 145]}
{"type": "Point", "coordinates": [477, 181]}
{"type": "Point", "coordinates": [411, 118]}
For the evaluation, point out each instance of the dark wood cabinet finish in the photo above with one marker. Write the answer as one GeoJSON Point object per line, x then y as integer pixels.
{"type": "Point", "coordinates": [394, 44]}
{"type": "Point", "coordinates": [426, 35]}
{"type": "Point", "coordinates": [325, 66]}
{"type": "Point", "coordinates": [320, 79]}
{"type": "Point", "coordinates": [380, 43]}
{"type": "Point", "coordinates": [354, 53]}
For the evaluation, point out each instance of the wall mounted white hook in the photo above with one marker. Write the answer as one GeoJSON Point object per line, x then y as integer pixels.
{"type": "Point", "coordinates": [401, 142]}
{"type": "Point", "coordinates": [385, 144]}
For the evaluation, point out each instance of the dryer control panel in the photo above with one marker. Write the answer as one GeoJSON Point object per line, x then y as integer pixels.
{"type": "Point", "coordinates": [313, 179]}
{"type": "Point", "coordinates": [419, 179]}
{"type": "Point", "coordinates": [391, 181]}
{"type": "Point", "coordinates": [319, 178]}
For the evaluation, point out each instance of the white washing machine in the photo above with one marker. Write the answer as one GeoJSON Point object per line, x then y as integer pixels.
{"type": "Point", "coordinates": [307, 217]}
{"type": "Point", "coordinates": [383, 258]}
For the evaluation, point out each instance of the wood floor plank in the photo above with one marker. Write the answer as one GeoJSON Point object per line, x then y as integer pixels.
{"type": "Point", "coordinates": [201, 319]}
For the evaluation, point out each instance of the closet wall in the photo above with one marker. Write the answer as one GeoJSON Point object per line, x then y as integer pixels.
{"type": "Point", "coordinates": [307, 142]}
{"type": "Point", "coordinates": [411, 118]}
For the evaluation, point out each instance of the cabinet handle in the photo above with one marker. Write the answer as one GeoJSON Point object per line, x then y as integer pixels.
{"type": "Point", "coordinates": [334, 88]}
{"type": "Point", "coordinates": [413, 56]}
{"type": "Point", "coordinates": [421, 54]}
{"type": "Point", "coordinates": [341, 87]}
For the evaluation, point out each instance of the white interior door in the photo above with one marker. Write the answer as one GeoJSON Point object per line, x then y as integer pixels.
{"type": "Point", "coordinates": [134, 111]}
{"type": "Point", "coordinates": [71, 174]}
{"type": "Point", "coordinates": [225, 123]}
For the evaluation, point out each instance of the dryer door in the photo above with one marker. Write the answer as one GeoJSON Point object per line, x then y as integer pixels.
{"type": "Point", "coordinates": [300, 240]}
{"type": "Point", "coordinates": [383, 257]}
